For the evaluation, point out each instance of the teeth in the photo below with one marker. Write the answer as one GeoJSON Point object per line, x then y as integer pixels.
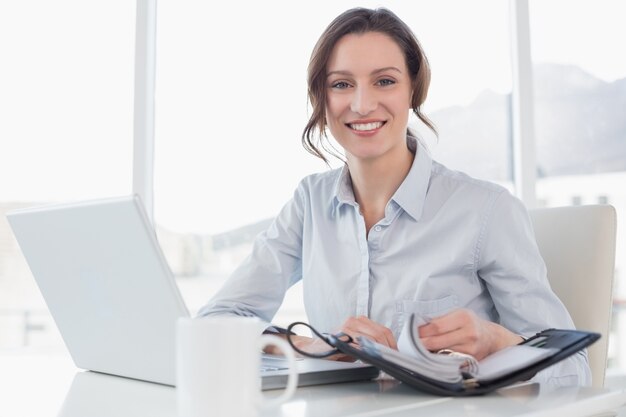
{"type": "Point", "coordinates": [366, 126]}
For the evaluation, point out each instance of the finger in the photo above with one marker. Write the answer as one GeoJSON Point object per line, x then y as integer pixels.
{"type": "Point", "coordinates": [444, 324]}
{"type": "Point", "coordinates": [341, 357]}
{"type": "Point", "coordinates": [382, 334]}
{"type": "Point", "coordinates": [445, 341]}
{"type": "Point", "coordinates": [310, 345]}
{"type": "Point", "coordinates": [362, 326]}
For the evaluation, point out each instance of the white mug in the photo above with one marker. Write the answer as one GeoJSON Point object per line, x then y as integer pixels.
{"type": "Point", "coordinates": [218, 362]}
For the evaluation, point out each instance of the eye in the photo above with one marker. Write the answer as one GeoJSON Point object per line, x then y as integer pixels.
{"type": "Point", "coordinates": [384, 82]}
{"type": "Point", "coordinates": [340, 85]}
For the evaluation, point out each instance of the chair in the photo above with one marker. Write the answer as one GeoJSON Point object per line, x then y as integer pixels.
{"type": "Point", "coordinates": [578, 246]}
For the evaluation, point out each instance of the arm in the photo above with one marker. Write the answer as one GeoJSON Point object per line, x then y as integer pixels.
{"type": "Point", "coordinates": [257, 287]}
{"type": "Point", "coordinates": [511, 266]}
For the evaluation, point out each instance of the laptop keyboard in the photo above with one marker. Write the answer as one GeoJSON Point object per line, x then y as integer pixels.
{"type": "Point", "coordinates": [269, 368]}
{"type": "Point", "coordinates": [273, 363]}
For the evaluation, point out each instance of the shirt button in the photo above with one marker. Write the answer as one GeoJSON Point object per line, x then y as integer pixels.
{"type": "Point", "coordinates": [378, 228]}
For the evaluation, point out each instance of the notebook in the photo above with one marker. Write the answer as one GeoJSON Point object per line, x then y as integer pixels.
{"type": "Point", "coordinates": [458, 374]}
{"type": "Point", "coordinates": [113, 297]}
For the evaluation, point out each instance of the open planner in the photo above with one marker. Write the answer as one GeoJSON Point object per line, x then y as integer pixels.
{"type": "Point", "coordinates": [457, 374]}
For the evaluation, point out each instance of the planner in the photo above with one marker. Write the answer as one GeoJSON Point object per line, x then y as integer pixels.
{"type": "Point", "coordinates": [452, 373]}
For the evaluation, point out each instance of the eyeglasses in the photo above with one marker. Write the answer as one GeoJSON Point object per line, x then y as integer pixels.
{"type": "Point", "coordinates": [329, 339]}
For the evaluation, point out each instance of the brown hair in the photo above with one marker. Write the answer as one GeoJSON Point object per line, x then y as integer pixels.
{"type": "Point", "coordinates": [361, 20]}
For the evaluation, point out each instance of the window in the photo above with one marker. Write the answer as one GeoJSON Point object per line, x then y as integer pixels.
{"type": "Point", "coordinates": [469, 100]}
{"type": "Point", "coordinates": [580, 95]}
{"type": "Point", "coordinates": [67, 112]}
{"type": "Point", "coordinates": [231, 106]}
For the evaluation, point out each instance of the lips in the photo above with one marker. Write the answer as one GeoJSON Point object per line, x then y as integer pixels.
{"type": "Point", "coordinates": [365, 126]}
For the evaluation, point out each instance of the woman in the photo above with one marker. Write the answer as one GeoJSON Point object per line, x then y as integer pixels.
{"type": "Point", "coordinates": [394, 232]}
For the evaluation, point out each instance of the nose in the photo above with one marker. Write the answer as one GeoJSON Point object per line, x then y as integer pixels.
{"type": "Point", "coordinates": [363, 101]}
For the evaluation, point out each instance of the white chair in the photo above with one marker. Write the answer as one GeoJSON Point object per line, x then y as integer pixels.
{"type": "Point", "coordinates": [578, 246]}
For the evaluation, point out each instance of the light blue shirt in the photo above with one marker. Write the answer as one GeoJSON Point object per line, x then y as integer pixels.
{"type": "Point", "coordinates": [447, 241]}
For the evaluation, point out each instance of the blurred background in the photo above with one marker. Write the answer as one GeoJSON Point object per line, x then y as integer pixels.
{"type": "Point", "coordinates": [231, 105]}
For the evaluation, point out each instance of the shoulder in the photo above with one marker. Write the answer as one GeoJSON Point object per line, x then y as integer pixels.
{"type": "Point", "coordinates": [320, 184]}
{"type": "Point", "coordinates": [457, 180]}
{"type": "Point", "coordinates": [473, 194]}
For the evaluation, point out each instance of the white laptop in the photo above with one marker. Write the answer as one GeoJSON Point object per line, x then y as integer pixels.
{"type": "Point", "coordinates": [113, 297]}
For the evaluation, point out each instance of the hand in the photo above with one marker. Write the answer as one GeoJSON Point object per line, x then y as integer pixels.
{"type": "Point", "coordinates": [463, 331]}
{"type": "Point", "coordinates": [316, 345]}
{"type": "Point", "coordinates": [353, 326]}
{"type": "Point", "coordinates": [362, 326]}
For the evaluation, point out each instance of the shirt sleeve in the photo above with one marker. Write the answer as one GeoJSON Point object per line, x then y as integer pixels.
{"type": "Point", "coordinates": [511, 267]}
{"type": "Point", "coordinates": [257, 287]}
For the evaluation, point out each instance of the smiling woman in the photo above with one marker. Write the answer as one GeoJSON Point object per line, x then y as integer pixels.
{"type": "Point", "coordinates": [394, 232]}
{"type": "Point", "coordinates": [367, 111]}
{"type": "Point", "coordinates": [232, 104]}
{"type": "Point", "coordinates": [365, 102]}
{"type": "Point", "coordinates": [231, 108]}
{"type": "Point", "coordinates": [403, 77]}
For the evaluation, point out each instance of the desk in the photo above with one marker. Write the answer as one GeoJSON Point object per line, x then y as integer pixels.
{"type": "Point", "coordinates": [36, 385]}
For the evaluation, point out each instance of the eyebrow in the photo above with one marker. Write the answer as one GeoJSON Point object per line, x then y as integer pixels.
{"type": "Point", "coordinates": [376, 71]}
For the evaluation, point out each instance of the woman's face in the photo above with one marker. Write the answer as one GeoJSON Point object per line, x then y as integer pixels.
{"type": "Point", "coordinates": [368, 96]}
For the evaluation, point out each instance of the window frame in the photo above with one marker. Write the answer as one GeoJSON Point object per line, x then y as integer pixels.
{"type": "Point", "coordinates": [522, 119]}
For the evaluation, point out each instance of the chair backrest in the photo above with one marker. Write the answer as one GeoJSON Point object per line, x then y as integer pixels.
{"type": "Point", "coordinates": [578, 246]}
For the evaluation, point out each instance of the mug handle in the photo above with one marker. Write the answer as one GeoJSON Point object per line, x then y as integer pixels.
{"type": "Point", "coordinates": [292, 382]}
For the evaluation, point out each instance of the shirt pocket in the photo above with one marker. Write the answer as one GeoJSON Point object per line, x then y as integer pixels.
{"type": "Point", "coordinates": [429, 309]}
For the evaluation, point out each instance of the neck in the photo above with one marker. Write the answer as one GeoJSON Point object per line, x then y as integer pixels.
{"type": "Point", "coordinates": [375, 181]}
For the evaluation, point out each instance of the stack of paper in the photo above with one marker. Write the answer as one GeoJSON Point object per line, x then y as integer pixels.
{"type": "Point", "coordinates": [452, 366]}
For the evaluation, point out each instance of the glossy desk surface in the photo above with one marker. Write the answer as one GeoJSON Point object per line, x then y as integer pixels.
{"type": "Point", "coordinates": [50, 385]}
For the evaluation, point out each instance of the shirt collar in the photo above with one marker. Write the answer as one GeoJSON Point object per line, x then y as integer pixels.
{"type": "Point", "coordinates": [409, 196]}
{"type": "Point", "coordinates": [412, 192]}
{"type": "Point", "coordinates": [344, 194]}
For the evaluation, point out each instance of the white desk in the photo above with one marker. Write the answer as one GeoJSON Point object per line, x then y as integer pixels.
{"type": "Point", "coordinates": [36, 385]}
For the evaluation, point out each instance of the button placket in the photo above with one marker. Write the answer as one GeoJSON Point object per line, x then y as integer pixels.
{"type": "Point", "coordinates": [363, 287]}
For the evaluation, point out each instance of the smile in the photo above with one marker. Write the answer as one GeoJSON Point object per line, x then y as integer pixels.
{"type": "Point", "coordinates": [364, 127]}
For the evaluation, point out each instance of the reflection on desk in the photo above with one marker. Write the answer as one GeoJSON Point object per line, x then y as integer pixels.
{"type": "Point", "coordinates": [98, 395]}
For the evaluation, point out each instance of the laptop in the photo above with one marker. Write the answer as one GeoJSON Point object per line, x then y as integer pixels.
{"type": "Point", "coordinates": [114, 298]}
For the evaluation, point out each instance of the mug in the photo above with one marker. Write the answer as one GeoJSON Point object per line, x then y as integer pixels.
{"type": "Point", "coordinates": [218, 362]}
